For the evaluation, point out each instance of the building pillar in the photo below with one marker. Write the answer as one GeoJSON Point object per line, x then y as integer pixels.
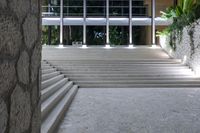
{"type": "Point", "coordinates": [130, 24]}
{"type": "Point", "coordinates": [49, 27]}
{"type": "Point", "coordinates": [84, 23]}
{"type": "Point", "coordinates": [153, 26]}
{"type": "Point", "coordinates": [107, 24]}
{"type": "Point", "coordinates": [61, 23]}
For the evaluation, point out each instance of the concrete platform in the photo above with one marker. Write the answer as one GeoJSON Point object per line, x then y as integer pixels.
{"type": "Point", "coordinates": [136, 110]}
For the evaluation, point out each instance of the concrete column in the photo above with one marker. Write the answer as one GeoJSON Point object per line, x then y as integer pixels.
{"type": "Point", "coordinates": [107, 24]}
{"type": "Point", "coordinates": [61, 23]}
{"type": "Point", "coordinates": [84, 23]}
{"type": "Point", "coordinates": [130, 24]}
{"type": "Point", "coordinates": [49, 27]}
{"type": "Point", "coordinates": [153, 27]}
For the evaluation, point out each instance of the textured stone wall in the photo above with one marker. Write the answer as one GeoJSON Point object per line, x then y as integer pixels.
{"type": "Point", "coordinates": [187, 46]}
{"type": "Point", "coordinates": [20, 55]}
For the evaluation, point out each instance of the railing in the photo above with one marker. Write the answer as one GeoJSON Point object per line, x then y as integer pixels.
{"type": "Point", "coordinates": [94, 11]}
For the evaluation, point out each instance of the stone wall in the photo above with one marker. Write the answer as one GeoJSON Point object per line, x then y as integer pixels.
{"type": "Point", "coordinates": [20, 55]}
{"type": "Point", "coordinates": [187, 46]}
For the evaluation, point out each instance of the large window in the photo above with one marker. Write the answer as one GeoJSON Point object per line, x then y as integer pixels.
{"type": "Point", "coordinates": [73, 8]}
{"type": "Point", "coordinates": [96, 8]}
{"type": "Point", "coordinates": [96, 35]}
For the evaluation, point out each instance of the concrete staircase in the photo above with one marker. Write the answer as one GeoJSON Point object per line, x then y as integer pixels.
{"type": "Point", "coordinates": [128, 74]}
{"type": "Point", "coordinates": [120, 67]}
{"type": "Point", "coordinates": [56, 96]}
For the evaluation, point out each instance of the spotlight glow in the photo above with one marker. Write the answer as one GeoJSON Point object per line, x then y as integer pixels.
{"type": "Point", "coordinates": [170, 52]}
{"type": "Point", "coordinates": [197, 71]}
{"type": "Point", "coordinates": [60, 46]}
{"type": "Point", "coordinates": [154, 46]}
{"type": "Point", "coordinates": [107, 46]}
{"type": "Point", "coordinates": [131, 46]}
{"type": "Point", "coordinates": [184, 60]}
{"type": "Point", "coordinates": [84, 46]}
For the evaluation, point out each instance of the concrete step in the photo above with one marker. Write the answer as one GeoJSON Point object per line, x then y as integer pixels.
{"type": "Point", "coordinates": [139, 82]}
{"type": "Point", "coordinates": [122, 69]}
{"type": "Point", "coordinates": [114, 63]}
{"type": "Point", "coordinates": [128, 71]}
{"type": "Point", "coordinates": [78, 78]}
{"type": "Point", "coordinates": [50, 75]}
{"type": "Point", "coordinates": [120, 65]}
{"type": "Point", "coordinates": [44, 67]}
{"type": "Point", "coordinates": [55, 116]}
{"type": "Point", "coordinates": [47, 92]}
{"type": "Point", "coordinates": [53, 100]}
{"type": "Point", "coordinates": [120, 61]}
{"type": "Point", "coordinates": [46, 71]}
{"type": "Point", "coordinates": [138, 74]}
{"type": "Point", "coordinates": [51, 81]}
{"type": "Point", "coordinates": [100, 85]}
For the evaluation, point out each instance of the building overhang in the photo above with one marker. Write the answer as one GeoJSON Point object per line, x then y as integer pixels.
{"type": "Point", "coordinates": [102, 21]}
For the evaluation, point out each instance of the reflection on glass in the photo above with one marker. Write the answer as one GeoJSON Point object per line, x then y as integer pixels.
{"type": "Point", "coordinates": [96, 35]}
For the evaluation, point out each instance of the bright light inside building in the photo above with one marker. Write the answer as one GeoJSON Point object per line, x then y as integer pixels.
{"type": "Point", "coordinates": [84, 47]}
{"type": "Point", "coordinates": [107, 46]}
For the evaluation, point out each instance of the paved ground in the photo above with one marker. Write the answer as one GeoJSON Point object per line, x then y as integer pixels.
{"type": "Point", "coordinates": [134, 111]}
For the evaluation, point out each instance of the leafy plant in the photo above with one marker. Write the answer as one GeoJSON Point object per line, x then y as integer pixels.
{"type": "Point", "coordinates": [183, 14]}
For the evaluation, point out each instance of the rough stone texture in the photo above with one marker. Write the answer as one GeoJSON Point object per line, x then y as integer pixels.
{"type": "Point", "coordinates": [183, 47]}
{"type": "Point", "coordinates": [20, 8]}
{"type": "Point", "coordinates": [30, 28]}
{"type": "Point", "coordinates": [35, 7]}
{"type": "Point", "coordinates": [19, 43]}
{"type": "Point", "coordinates": [7, 78]}
{"type": "Point", "coordinates": [3, 3]}
{"type": "Point", "coordinates": [35, 62]}
{"type": "Point", "coordinates": [35, 126]}
{"type": "Point", "coordinates": [10, 36]}
{"type": "Point", "coordinates": [20, 117]}
{"type": "Point", "coordinates": [188, 45]}
{"type": "Point", "coordinates": [23, 68]}
{"type": "Point", "coordinates": [3, 116]}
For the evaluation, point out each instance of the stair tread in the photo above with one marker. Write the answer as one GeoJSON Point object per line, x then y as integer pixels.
{"type": "Point", "coordinates": [47, 91]}
{"type": "Point", "coordinates": [52, 98]}
{"type": "Point", "coordinates": [52, 120]}
{"type": "Point", "coordinates": [51, 80]}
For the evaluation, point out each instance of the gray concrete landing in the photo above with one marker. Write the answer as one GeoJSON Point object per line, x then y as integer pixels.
{"type": "Point", "coordinates": [161, 110]}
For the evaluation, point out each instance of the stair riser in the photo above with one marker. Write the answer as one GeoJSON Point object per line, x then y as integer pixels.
{"type": "Point", "coordinates": [122, 69]}
{"type": "Point", "coordinates": [127, 74]}
{"type": "Point", "coordinates": [49, 76]}
{"type": "Point", "coordinates": [53, 126]}
{"type": "Point", "coordinates": [126, 71]}
{"type": "Point", "coordinates": [127, 78]}
{"type": "Point", "coordinates": [49, 82]}
{"type": "Point", "coordinates": [138, 82]}
{"type": "Point", "coordinates": [46, 67]}
{"type": "Point", "coordinates": [48, 109]}
{"type": "Point", "coordinates": [52, 90]}
{"type": "Point", "coordinates": [118, 65]}
{"type": "Point", "coordinates": [137, 86]}
{"type": "Point", "coordinates": [48, 71]}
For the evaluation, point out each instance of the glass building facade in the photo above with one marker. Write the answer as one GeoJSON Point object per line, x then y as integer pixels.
{"type": "Point", "coordinates": [99, 22]}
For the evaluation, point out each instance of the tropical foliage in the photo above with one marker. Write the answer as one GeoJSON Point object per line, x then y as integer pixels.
{"type": "Point", "coordinates": [183, 14]}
